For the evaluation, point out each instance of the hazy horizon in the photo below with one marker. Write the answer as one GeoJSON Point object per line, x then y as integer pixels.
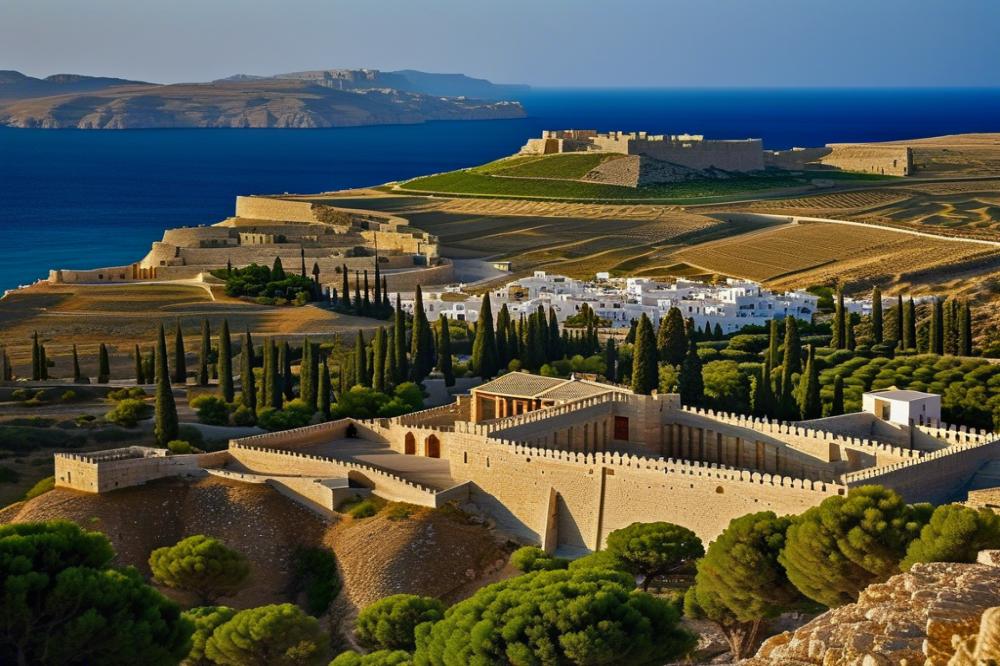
{"type": "Point", "coordinates": [558, 44]}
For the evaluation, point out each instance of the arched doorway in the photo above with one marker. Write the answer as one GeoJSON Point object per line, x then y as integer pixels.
{"type": "Point", "coordinates": [410, 444]}
{"type": "Point", "coordinates": [432, 447]}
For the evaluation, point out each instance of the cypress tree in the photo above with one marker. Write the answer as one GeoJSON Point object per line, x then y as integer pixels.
{"type": "Point", "coordinates": [837, 405]}
{"type": "Point", "coordinates": [307, 392]}
{"type": "Point", "coordinates": [504, 355]}
{"type": "Point", "coordinates": [334, 299]}
{"type": "Point", "coordinates": [533, 355]}
{"type": "Point", "coordinates": [385, 295]}
{"type": "Point", "coordinates": [274, 383]}
{"type": "Point", "coordinates": [610, 359]}
{"type": "Point", "coordinates": [378, 369]}
{"type": "Point", "coordinates": [366, 301]}
{"type": "Point", "coordinates": [444, 352]}
{"type": "Point", "coordinates": [632, 329]}
{"type": "Point", "coordinates": [104, 364]}
{"type": "Point", "coordinates": [149, 366]}
{"type": "Point", "coordinates": [277, 270]}
{"type": "Point", "coordinates": [937, 327]}
{"type": "Point", "coordinates": [554, 339]}
{"type": "Point", "coordinates": [302, 257]}
{"type": "Point", "coordinates": [717, 333]}
{"type": "Point", "coordinates": [838, 327]}
{"type": "Point", "coordinates": [402, 366]}
{"type": "Point", "coordinates": [248, 395]}
{"type": "Point", "coordinates": [360, 360]}
{"type": "Point", "coordinates": [390, 360]}
{"type": "Point", "coordinates": [878, 329]}
{"type": "Point", "coordinates": [965, 329]}
{"type": "Point", "coordinates": [44, 359]}
{"type": "Point", "coordinates": [645, 370]}
{"type": "Point", "coordinates": [707, 331]}
{"type": "Point", "coordinates": [378, 286]}
{"type": "Point", "coordinates": [324, 390]}
{"type": "Point", "coordinates": [792, 362]}
{"type": "Point", "coordinates": [358, 303]}
{"type": "Point", "coordinates": [758, 403]}
{"type": "Point", "coordinates": [285, 363]}
{"type": "Point", "coordinates": [421, 342]}
{"type": "Point", "coordinates": [810, 405]}
{"type": "Point", "coordinates": [910, 325]}
{"type": "Point", "coordinates": [345, 290]}
{"type": "Point", "coordinates": [484, 360]}
{"type": "Point", "coordinates": [205, 352]}
{"type": "Point", "coordinates": [849, 333]}
{"type": "Point", "coordinates": [77, 375]}
{"type": "Point", "coordinates": [180, 361]}
{"type": "Point", "coordinates": [671, 338]}
{"type": "Point", "coordinates": [264, 395]}
{"type": "Point", "coordinates": [690, 382]}
{"type": "Point", "coordinates": [36, 358]}
{"type": "Point", "coordinates": [165, 426]}
{"type": "Point", "coordinates": [773, 344]}
{"type": "Point", "coordinates": [140, 377]}
{"type": "Point", "coordinates": [226, 363]}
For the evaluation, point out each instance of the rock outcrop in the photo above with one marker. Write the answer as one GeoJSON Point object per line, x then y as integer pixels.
{"type": "Point", "coordinates": [915, 618]}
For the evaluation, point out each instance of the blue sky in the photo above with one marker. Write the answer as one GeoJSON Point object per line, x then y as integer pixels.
{"type": "Point", "coordinates": [665, 43]}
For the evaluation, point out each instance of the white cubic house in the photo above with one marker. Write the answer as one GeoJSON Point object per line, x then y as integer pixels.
{"type": "Point", "coordinates": [903, 407]}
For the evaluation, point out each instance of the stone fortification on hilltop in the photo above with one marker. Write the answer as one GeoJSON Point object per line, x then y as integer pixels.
{"type": "Point", "coordinates": [919, 617]}
{"type": "Point", "coordinates": [266, 228]}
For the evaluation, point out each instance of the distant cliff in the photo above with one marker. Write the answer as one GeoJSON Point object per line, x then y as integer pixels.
{"type": "Point", "coordinates": [325, 98]}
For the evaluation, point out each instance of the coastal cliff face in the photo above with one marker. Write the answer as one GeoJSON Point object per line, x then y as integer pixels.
{"type": "Point", "coordinates": [267, 103]}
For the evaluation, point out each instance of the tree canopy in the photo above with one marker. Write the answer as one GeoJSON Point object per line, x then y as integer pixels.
{"type": "Point", "coordinates": [955, 533]}
{"type": "Point", "coordinates": [388, 623]}
{"type": "Point", "coordinates": [275, 635]}
{"type": "Point", "coordinates": [654, 549]}
{"type": "Point", "coordinates": [202, 565]}
{"type": "Point", "coordinates": [206, 619]}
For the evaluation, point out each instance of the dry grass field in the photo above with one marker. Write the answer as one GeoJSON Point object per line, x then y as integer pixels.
{"type": "Point", "coordinates": [955, 155]}
{"type": "Point", "coordinates": [122, 315]}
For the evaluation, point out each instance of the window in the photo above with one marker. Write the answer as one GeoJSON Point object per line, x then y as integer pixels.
{"type": "Point", "coordinates": [621, 428]}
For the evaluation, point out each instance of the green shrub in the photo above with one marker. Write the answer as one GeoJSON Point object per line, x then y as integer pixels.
{"type": "Point", "coordinates": [68, 396]}
{"type": "Point", "coordinates": [202, 565]}
{"type": "Point", "coordinates": [211, 409]}
{"type": "Point", "coordinates": [21, 439]}
{"type": "Point", "coordinates": [133, 392]}
{"type": "Point", "coordinates": [43, 486]}
{"type": "Point", "coordinates": [30, 421]}
{"type": "Point", "coordinates": [128, 412]}
{"type": "Point", "coordinates": [293, 416]}
{"type": "Point", "coordinates": [244, 416]}
{"type": "Point", "coordinates": [20, 395]}
{"type": "Point", "coordinates": [389, 623]}
{"type": "Point", "coordinates": [314, 573]}
{"type": "Point", "coordinates": [602, 559]}
{"type": "Point", "coordinates": [191, 435]}
{"type": "Point", "coordinates": [359, 507]}
{"type": "Point", "coordinates": [179, 446]}
{"type": "Point", "coordinates": [531, 558]}
{"type": "Point", "coordinates": [377, 658]}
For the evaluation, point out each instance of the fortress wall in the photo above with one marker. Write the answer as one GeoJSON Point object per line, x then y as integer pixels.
{"type": "Point", "coordinates": [939, 477]}
{"type": "Point", "coordinates": [194, 236]}
{"type": "Point", "coordinates": [266, 208]}
{"type": "Point", "coordinates": [81, 472]}
{"type": "Point", "coordinates": [726, 155]}
{"type": "Point", "coordinates": [796, 158]}
{"type": "Point", "coordinates": [868, 158]}
{"type": "Point", "coordinates": [109, 274]}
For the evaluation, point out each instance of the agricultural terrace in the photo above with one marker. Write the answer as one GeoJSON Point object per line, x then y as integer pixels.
{"type": "Point", "coordinates": [572, 166]}
{"type": "Point", "coordinates": [470, 182]}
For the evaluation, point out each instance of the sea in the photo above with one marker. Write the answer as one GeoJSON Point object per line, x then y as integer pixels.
{"type": "Point", "coordinates": [85, 199]}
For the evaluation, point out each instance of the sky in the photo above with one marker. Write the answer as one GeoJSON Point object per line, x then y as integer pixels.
{"type": "Point", "coordinates": [575, 43]}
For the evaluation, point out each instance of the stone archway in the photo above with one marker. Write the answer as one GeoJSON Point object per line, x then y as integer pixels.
{"type": "Point", "coordinates": [432, 447]}
{"type": "Point", "coordinates": [410, 444]}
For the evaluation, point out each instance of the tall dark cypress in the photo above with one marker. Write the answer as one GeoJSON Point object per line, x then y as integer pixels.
{"type": "Point", "coordinates": [504, 355]}
{"type": "Point", "coordinates": [691, 384]}
{"type": "Point", "coordinates": [36, 358]}
{"type": "Point", "coordinates": [399, 345]}
{"type": "Point", "coordinates": [444, 352]}
{"type": "Point", "coordinates": [810, 405]}
{"type": "Point", "coordinates": [792, 361]}
{"type": "Point", "coordinates": [484, 362]}
{"type": "Point", "coordinates": [878, 330]}
{"type": "Point", "coordinates": [358, 303]}
{"type": "Point", "coordinates": [274, 383]}
{"type": "Point", "coordinates": [421, 341]}
{"type": "Point", "coordinates": [533, 355]}
{"type": "Point", "coordinates": [937, 327]}
{"type": "Point", "coordinates": [378, 286]}
{"type": "Point", "coordinates": [205, 352]}
{"type": "Point", "coordinates": [104, 364]}
{"type": "Point", "coordinates": [302, 256]}
{"type": "Point", "coordinates": [360, 359]}
{"type": "Point", "coordinates": [554, 339]}
{"type": "Point", "coordinates": [610, 359]}
{"type": "Point", "coordinates": [285, 363]}
{"type": "Point", "coordinates": [837, 404]}
{"type": "Point", "coordinates": [345, 290]}
{"type": "Point", "coordinates": [149, 366]}
{"type": "Point", "coordinates": [77, 375]}
{"type": "Point", "coordinates": [965, 329]}
{"type": "Point", "coordinates": [180, 360]}
{"type": "Point", "coordinates": [378, 358]}
{"type": "Point", "coordinates": [44, 362]}
{"type": "Point", "coordinates": [324, 390]}
{"type": "Point", "coordinates": [140, 376]}
{"type": "Point", "coordinates": [910, 325]}
{"type": "Point", "coordinates": [839, 325]}
{"type": "Point", "coordinates": [645, 369]}
{"type": "Point", "coordinates": [226, 363]}
{"type": "Point", "coordinates": [671, 338]}
{"type": "Point", "coordinates": [366, 302]}
{"type": "Point", "coordinates": [248, 383]}
{"type": "Point", "coordinates": [385, 296]}
{"type": "Point", "coordinates": [773, 344]}
{"type": "Point", "coordinates": [264, 395]}
{"type": "Point", "coordinates": [165, 423]}
{"type": "Point", "coordinates": [307, 389]}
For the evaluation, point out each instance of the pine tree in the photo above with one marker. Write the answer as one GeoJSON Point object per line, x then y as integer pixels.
{"type": "Point", "coordinates": [792, 361]}
{"type": "Point", "coordinates": [226, 363]}
{"type": "Point", "coordinates": [277, 271]}
{"type": "Point", "coordinates": [773, 344]}
{"type": "Point", "coordinates": [285, 363]}
{"type": "Point", "coordinates": [378, 369]}
{"type": "Point", "coordinates": [165, 427]}
{"type": "Point", "coordinates": [36, 358]}
{"type": "Point", "coordinates": [444, 352]}
{"type": "Point", "coordinates": [839, 325]}
{"type": "Point", "coordinates": [671, 338]}
{"type": "Point", "coordinates": [140, 377]}
{"type": "Point", "coordinates": [937, 327]}
{"type": "Point", "coordinates": [401, 363]}
{"type": "Point", "coordinates": [878, 329]}
{"type": "Point", "coordinates": [610, 359]}
{"type": "Point", "coordinates": [205, 352]}
{"type": "Point", "coordinates": [248, 384]}
{"type": "Point", "coordinates": [484, 360]}
{"type": "Point", "coordinates": [360, 359]}
{"type": "Point", "coordinates": [324, 390]}
{"type": "Point", "coordinates": [104, 364]}
{"type": "Point", "coordinates": [965, 329]}
{"type": "Point", "coordinates": [274, 388]}
{"type": "Point", "coordinates": [810, 405]}
{"type": "Point", "coordinates": [910, 325]}
{"type": "Point", "coordinates": [77, 375]}
{"type": "Point", "coordinates": [691, 383]}
{"type": "Point", "coordinates": [180, 361]}
{"type": "Point", "coordinates": [421, 342]}
{"type": "Point", "coordinates": [645, 370]}
{"type": "Point", "coordinates": [837, 404]}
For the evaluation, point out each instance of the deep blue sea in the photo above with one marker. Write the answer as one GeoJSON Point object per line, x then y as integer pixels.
{"type": "Point", "coordinates": [79, 199]}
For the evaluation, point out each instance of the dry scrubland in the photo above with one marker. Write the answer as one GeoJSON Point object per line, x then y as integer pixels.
{"type": "Point", "coordinates": [122, 315]}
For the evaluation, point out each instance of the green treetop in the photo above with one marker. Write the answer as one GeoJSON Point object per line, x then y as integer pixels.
{"type": "Point", "coordinates": [421, 343]}
{"type": "Point", "coordinates": [166, 425]}
{"type": "Point", "coordinates": [180, 362]}
{"type": "Point", "coordinates": [360, 360]}
{"type": "Point", "coordinates": [810, 405]}
{"type": "Point", "coordinates": [671, 338]}
{"type": "Point", "coordinates": [388, 623]}
{"type": "Point", "coordinates": [378, 371]}
{"type": "Point", "coordinates": [955, 533]}
{"type": "Point", "coordinates": [202, 565]}
{"type": "Point", "coordinates": [226, 363]}
{"type": "Point", "coordinates": [645, 374]}
{"type": "Point", "coordinates": [399, 329]}
{"type": "Point", "coordinates": [484, 360]}
{"type": "Point", "coordinates": [691, 382]}
{"type": "Point", "coordinates": [206, 619]}
{"type": "Point", "coordinates": [204, 352]}
{"type": "Point", "coordinates": [877, 323]}
{"type": "Point", "coordinates": [654, 549]}
{"type": "Point", "coordinates": [444, 352]}
{"type": "Point", "coordinates": [276, 635]}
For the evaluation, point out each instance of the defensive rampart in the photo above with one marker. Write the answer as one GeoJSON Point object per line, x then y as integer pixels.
{"type": "Point", "coordinates": [870, 158]}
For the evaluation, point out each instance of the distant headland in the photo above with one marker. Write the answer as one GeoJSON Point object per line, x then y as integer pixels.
{"type": "Point", "coordinates": [299, 100]}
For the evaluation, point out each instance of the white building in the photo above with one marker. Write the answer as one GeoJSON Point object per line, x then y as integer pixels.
{"type": "Point", "coordinates": [903, 407]}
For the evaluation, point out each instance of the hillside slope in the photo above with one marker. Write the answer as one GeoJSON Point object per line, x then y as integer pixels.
{"type": "Point", "coordinates": [15, 85]}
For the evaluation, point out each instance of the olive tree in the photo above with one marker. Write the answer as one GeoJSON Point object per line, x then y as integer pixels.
{"type": "Point", "coordinates": [202, 565]}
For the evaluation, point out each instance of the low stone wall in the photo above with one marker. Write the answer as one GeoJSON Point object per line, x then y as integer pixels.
{"type": "Point", "coordinates": [870, 158]}
{"type": "Point", "coordinates": [121, 468]}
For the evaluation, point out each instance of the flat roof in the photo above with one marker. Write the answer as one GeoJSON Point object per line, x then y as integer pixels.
{"type": "Point", "coordinates": [902, 394]}
{"type": "Point", "coordinates": [522, 384]}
